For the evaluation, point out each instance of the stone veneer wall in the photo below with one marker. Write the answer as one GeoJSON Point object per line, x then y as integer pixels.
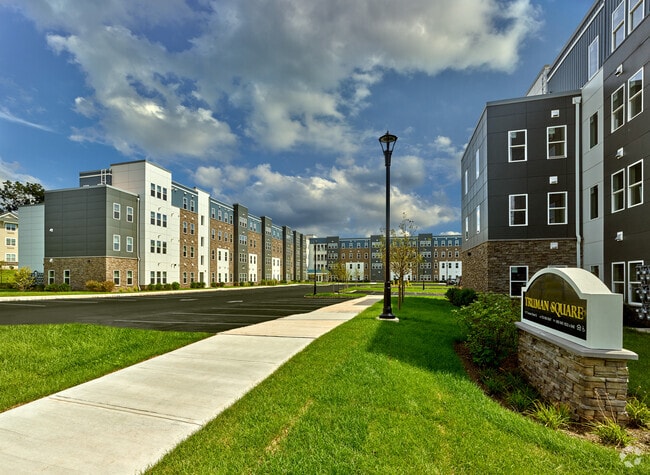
{"type": "Point", "coordinates": [594, 388]}
{"type": "Point", "coordinates": [83, 269]}
{"type": "Point", "coordinates": [486, 267]}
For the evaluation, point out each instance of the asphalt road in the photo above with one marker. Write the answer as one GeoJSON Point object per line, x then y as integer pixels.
{"type": "Point", "coordinates": [210, 311]}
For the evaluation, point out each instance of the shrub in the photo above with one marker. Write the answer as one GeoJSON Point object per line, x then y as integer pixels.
{"type": "Point", "coordinates": [554, 416]}
{"type": "Point", "coordinates": [176, 285]}
{"type": "Point", "coordinates": [460, 297]}
{"type": "Point", "coordinates": [490, 329]}
{"type": "Point", "coordinates": [96, 286]}
{"type": "Point", "coordinates": [521, 399]}
{"type": "Point", "coordinates": [638, 413]}
{"type": "Point", "coordinates": [609, 432]}
{"type": "Point", "coordinates": [23, 279]}
{"type": "Point", "coordinates": [57, 287]}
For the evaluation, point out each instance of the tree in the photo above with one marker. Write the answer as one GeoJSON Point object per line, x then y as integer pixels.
{"type": "Point", "coordinates": [404, 255]}
{"type": "Point", "coordinates": [15, 194]}
{"type": "Point", "coordinates": [23, 279]}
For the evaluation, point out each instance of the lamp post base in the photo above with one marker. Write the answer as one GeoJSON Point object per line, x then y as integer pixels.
{"type": "Point", "coordinates": [387, 314]}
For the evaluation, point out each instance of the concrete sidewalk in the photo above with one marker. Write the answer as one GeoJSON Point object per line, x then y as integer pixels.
{"type": "Point", "coordinates": [126, 421]}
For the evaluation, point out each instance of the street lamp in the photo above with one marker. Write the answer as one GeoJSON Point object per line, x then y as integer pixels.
{"type": "Point", "coordinates": [387, 142]}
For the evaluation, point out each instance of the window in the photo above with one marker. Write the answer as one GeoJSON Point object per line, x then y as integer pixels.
{"type": "Point", "coordinates": [518, 279]}
{"type": "Point", "coordinates": [116, 242]}
{"type": "Point", "coordinates": [66, 276]}
{"type": "Point", "coordinates": [478, 219]}
{"type": "Point", "coordinates": [595, 270]}
{"type": "Point", "coordinates": [129, 214]}
{"type": "Point", "coordinates": [10, 241]}
{"type": "Point", "coordinates": [618, 277]}
{"type": "Point", "coordinates": [116, 277]}
{"type": "Point", "coordinates": [116, 210]}
{"type": "Point", "coordinates": [10, 227]}
{"type": "Point", "coordinates": [635, 13]}
{"type": "Point", "coordinates": [618, 191]}
{"type": "Point", "coordinates": [556, 142]}
{"type": "Point", "coordinates": [466, 227]}
{"type": "Point", "coordinates": [633, 283]}
{"type": "Point", "coordinates": [618, 108]}
{"type": "Point", "coordinates": [153, 190]}
{"type": "Point", "coordinates": [517, 146]}
{"type": "Point", "coordinates": [478, 163]}
{"type": "Point", "coordinates": [129, 244]}
{"type": "Point", "coordinates": [593, 130]}
{"type": "Point", "coordinates": [184, 203]}
{"type": "Point", "coordinates": [593, 63]}
{"type": "Point", "coordinates": [593, 202]}
{"type": "Point", "coordinates": [635, 184]}
{"type": "Point", "coordinates": [557, 207]}
{"type": "Point", "coordinates": [635, 95]}
{"type": "Point", "coordinates": [129, 277]}
{"type": "Point", "coordinates": [618, 26]}
{"type": "Point", "coordinates": [518, 209]}
{"type": "Point", "coordinates": [50, 276]}
{"type": "Point", "coordinates": [152, 218]}
{"type": "Point", "coordinates": [466, 182]}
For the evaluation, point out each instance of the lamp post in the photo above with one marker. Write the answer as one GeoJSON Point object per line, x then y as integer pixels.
{"type": "Point", "coordinates": [387, 142]}
{"type": "Point", "coordinates": [314, 276]}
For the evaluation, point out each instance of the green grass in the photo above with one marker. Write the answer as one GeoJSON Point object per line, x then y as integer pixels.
{"type": "Point", "coordinates": [38, 360]}
{"type": "Point", "coordinates": [639, 370]}
{"type": "Point", "coordinates": [381, 397]}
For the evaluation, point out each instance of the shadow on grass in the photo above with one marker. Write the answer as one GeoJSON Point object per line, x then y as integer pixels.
{"type": "Point", "coordinates": [424, 336]}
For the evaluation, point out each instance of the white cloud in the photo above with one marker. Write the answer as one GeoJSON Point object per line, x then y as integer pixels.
{"type": "Point", "coordinates": [11, 171]}
{"type": "Point", "coordinates": [5, 114]}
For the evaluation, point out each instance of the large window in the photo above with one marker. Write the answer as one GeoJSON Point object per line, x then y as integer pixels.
{"type": "Point", "coordinates": [593, 130]}
{"type": "Point", "coordinates": [593, 202]}
{"type": "Point", "coordinates": [517, 146]}
{"type": "Point", "coordinates": [478, 219]}
{"type": "Point", "coordinates": [116, 277]}
{"type": "Point", "coordinates": [477, 159]}
{"type": "Point", "coordinates": [635, 184]}
{"type": "Point", "coordinates": [518, 209]}
{"type": "Point", "coordinates": [618, 191]}
{"type": "Point", "coordinates": [518, 279]}
{"type": "Point", "coordinates": [593, 63]}
{"type": "Point", "coordinates": [633, 283]}
{"type": "Point", "coordinates": [66, 276]}
{"type": "Point", "coordinates": [556, 142]}
{"type": "Point", "coordinates": [466, 182]}
{"type": "Point", "coordinates": [635, 95]}
{"type": "Point", "coordinates": [618, 108]}
{"type": "Point", "coordinates": [466, 227]}
{"type": "Point", "coordinates": [635, 13]}
{"type": "Point", "coordinates": [618, 26]}
{"type": "Point", "coordinates": [116, 242]}
{"type": "Point", "coordinates": [557, 208]}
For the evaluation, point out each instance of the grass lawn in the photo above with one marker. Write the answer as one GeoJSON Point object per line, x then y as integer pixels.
{"type": "Point", "coordinates": [639, 342]}
{"type": "Point", "coordinates": [382, 397]}
{"type": "Point", "coordinates": [38, 360]}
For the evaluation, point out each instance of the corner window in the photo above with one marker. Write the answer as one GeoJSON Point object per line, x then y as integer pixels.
{"type": "Point", "coordinates": [618, 277]}
{"type": "Point", "coordinates": [618, 25]}
{"type": "Point", "coordinates": [557, 208]}
{"type": "Point", "coordinates": [635, 184]}
{"type": "Point", "coordinates": [635, 13]}
{"type": "Point", "coordinates": [518, 279]}
{"type": "Point", "coordinates": [556, 142]}
{"type": "Point", "coordinates": [618, 108]}
{"type": "Point", "coordinates": [635, 95]}
{"type": "Point", "coordinates": [618, 191]}
{"type": "Point", "coordinates": [129, 214]}
{"type": "Point", "coordinates": [518, 209]}
{"type": "Point", "coordinates": [593, 63]}
{"type": "Point", "coordinates": [129, 244]}
{"type": "Point", "coordinates": [517, 146]}
{"type": "Point", "coordinates": [593, 202]}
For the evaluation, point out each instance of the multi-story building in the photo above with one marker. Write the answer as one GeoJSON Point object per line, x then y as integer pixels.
{"type": "Point", "coordinates": [133, 225]}
{"type": "Point", "coordinates": [362, 258]}
{"type": "Point", "coordinates": [557, 177]}
{"type": "Point", "coordinates": [8, 239]}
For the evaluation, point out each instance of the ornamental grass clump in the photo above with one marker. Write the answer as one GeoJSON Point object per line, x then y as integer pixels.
{"type": "Point", "coordinates": [489, 324]}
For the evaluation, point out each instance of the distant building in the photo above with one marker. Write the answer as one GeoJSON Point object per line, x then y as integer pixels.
{"type": "Point", "coordinates": [8, 240]}
{"type": "Point", "coordinates": [556, 178]}
{"type": "Point", "coordinates": [362, 258]}
{"type": "Point", "coordinates": [131, 224]}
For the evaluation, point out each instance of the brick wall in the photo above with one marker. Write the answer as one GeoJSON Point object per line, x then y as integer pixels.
{"type": "Point", "coordinates": [83, 269]}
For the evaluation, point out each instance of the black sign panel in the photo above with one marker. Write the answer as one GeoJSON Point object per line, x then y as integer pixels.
{"type": "Point", "coordinates": [551, 301]}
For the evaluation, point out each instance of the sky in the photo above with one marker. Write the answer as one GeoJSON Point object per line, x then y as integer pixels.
{"type": "Point", "coordinates": [274, 104]}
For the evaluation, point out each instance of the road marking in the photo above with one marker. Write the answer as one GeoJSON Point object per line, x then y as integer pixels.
{"type": "Point", "coordinates": [159, 322]}
{"type": "Point", "coordinates": [188, 300]}
{"type": "Point", "coordinates": [235, 301]}
{"type": "Point", "coordinates": [22, 304]}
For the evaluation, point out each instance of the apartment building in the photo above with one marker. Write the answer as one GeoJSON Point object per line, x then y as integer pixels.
{"type": "Point", "coordinates": [363, 261]}
{"type": "Point", "coordinates": [556, 177]}
{"type": "Point", "coordinates": [132, 224]}
{"type": "Point", "coordinates": [9, 240]}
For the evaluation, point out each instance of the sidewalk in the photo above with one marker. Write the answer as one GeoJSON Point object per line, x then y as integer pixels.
{"type": "Point", "coordinates": [126, 421]}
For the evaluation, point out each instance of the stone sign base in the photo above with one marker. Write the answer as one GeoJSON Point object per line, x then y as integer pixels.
{"type": "Point", "coordinates": [593, 383]}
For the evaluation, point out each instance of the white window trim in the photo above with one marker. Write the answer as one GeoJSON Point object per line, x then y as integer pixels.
{"type": "Point", "coordinates": [630, 97]}
{"type": "Point", "coordinates": [592, 69]}
{"type": "Point", "coordinates": [477, 160]}
{"type": "Point", "coordinates": [478, 219]}
{"type": "Point", "coordinates": [618, 26]}
{"type": "Point", "coordinates": [511, 210]}
{"type": "Point", "coordinates": [548, 142]}
{"type": "Point", "coordinates": [548, 208]}
{"type": "Point", "coordinates": [510, 146]}
{"type": "Point", "coordinates": [116, 242]}
{"type": "Point", "coordinates": [624, 275]}
{"type": "Point", "coordinates": [632, 8]}
{"type": "Point", "coordinates": [117, 211]}
{"type": "Point", "coordinates": [621, 190]}
{"type": "Point", "coordinates": [622, 106]}
{"type": "Point", "coordinates": [637, 184]}
{"type": "Point", "coordinates": [510, 281]}
{"type": "Point", "coordinates": [630, 282]}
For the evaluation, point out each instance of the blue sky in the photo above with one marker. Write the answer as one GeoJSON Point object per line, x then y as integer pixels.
{"type": "Point", "coordinates": [274, 104]}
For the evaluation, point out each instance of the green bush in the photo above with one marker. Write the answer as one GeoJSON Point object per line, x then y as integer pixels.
{"type": "Point", "coordinates": [57, 288]}
{"type": "Point", "coordinates": [489, 323]}
{"type": "Point", "coordinates": [638, 413]}
{"type": "Point", "coordinates": [460, 297]}
{"type": "Point", "coordinates": [23, 279]}
{"type": "Point", "coordinates": [96, 286]}
{"type": "Point", "coordinates": [609, 432]}
{"type": "Point", "coordinates": [176, 285]}
{"type": "Point", "coordinates": [554, 416]}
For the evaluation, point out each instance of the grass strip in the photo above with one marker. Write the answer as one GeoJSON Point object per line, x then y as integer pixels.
{"type": "Point", "coordinates": [38, 360]}
{"type": "Point", "coordinates": [381, 397]}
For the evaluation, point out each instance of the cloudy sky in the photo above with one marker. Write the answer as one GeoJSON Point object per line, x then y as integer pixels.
{"type": "Point", "coordinates": [275, 104]}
